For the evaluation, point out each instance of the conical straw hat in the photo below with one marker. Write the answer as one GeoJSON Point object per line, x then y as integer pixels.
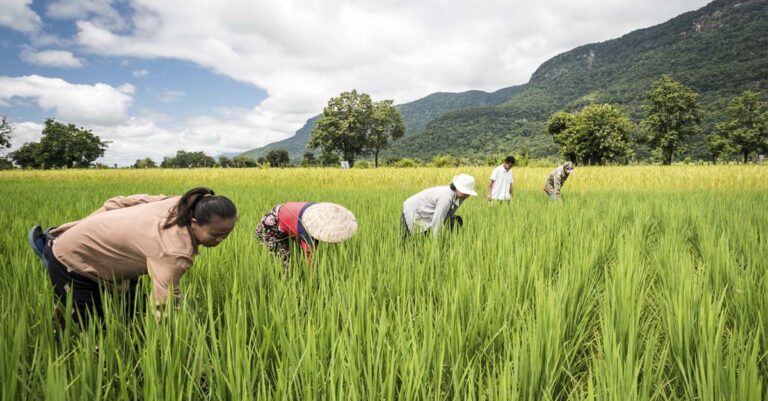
{"type": "Point", "coordinates": [329, 222]}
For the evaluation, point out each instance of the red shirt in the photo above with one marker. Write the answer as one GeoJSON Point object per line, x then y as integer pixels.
{"type": "Point", "coordinates": [289, 222]}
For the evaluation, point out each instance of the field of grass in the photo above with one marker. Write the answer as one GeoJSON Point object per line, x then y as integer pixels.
{"type": "Point", "coordinates": [646, 283]}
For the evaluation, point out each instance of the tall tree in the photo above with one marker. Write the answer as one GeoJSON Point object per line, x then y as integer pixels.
{"type": "Point", "coordinates": [673, 116]}
{"type": "Point", "coordinates": [6, 130]}
{"type": "Point", "coordinates": [62, 145]}
{"type": "Point", "coordinates": [386, 123]}
{"type": "Point", "coordinates": [344, 125]}
{"type": "Point", "coordinates": [718, 143]}
{"type": "Point", "coordinates": [225, 161]}
{"type": "Point", "coordinates": [747, 129]}
{"type": "Point", "coordinates": [145, 163]}
{"type": "Point", "coordinates": [599, 134]}
{"type": "Point", "coordinates": [243, 161]}
{"type": "Point", "coordinates": [188, 159]}
{"type": "Point", "coordinates": [308, 160]}
{"type": "Point", "coordinates": [278, 158]}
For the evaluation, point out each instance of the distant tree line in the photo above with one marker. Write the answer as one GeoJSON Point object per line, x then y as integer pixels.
{"type": "Point", "coordinates": [352, 126]}
{"type": "Point", "coordinates": [184, 159]}
{"type": "Point", "coordinates": [602, 133]}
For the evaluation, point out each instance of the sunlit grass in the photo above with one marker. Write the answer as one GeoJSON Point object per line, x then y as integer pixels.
{"type": "Point", "coordinates": [646, 283]}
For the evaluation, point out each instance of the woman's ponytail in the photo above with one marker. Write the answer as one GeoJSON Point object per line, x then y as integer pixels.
{"type": "Point", "coordinates": [201, 204]}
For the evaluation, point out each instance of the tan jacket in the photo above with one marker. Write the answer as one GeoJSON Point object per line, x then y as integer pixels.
{"type": "Point", "coordinates": [555, 181]}
{"type": "Point", "coordinates": [125, 239]}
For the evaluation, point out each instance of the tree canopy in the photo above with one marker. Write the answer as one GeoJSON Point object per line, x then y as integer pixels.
{"type": "Point", "coordinates": [599, 134]}
{"type": "Point", "coordinates": [386, 124]}
{"type": "Point", "coordinates": [746, 132]}
{"type": "Point", "coordinates": [6, 129]}
{"type": "Point", "coordinates": [61, 146]}
{"type": "Point", "coordinates": [144, 163]}
{"type": "Point", "coordinates": [278, 158]}
{"type": "Point", "coordinates": [188, 159]}
{"type": "Point", "coordinates": [672, 117]}
{"type": "Point", "coordinates": [353, 125]}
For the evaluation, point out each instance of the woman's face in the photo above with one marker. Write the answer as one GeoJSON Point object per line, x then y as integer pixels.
{"type": "Point", "coordinates": [211, 234]}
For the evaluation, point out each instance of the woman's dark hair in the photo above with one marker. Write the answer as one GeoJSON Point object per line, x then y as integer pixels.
{"type": "Point", "coordinates": [201, 204]}
{"type": "Point", "coordinates": [453, 187]}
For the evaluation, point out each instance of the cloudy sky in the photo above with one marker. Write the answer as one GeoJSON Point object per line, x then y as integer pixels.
{"type": "Point", "coordinates": [227, 76]}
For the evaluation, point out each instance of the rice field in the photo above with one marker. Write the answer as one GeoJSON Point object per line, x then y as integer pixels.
{"type": "Point", "coordinates": [645, 283]}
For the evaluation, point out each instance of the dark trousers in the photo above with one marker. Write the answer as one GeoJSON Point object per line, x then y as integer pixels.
{"type": "Point", "coordinates": [86, 293]}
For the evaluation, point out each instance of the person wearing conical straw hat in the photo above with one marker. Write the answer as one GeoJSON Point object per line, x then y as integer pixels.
{"type": "Point", "coordinates": [307, 223]}
{"type": "Point", "coordinates": [556, 180]}
{"type": "Point", "coordinates": [433, 207]}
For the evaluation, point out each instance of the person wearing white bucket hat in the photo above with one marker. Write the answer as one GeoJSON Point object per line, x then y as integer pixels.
{"type": "Point", "coordinates": [433, 207]}
{"type": "Point", "coordinates": [306, 222]}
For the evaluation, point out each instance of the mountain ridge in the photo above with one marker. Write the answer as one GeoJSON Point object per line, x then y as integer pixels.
{"type": "Point", "coordinates": [719, 50]}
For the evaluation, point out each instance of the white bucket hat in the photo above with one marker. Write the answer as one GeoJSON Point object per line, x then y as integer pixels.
{"type": "Point", "coordinates": [465, 184]}
{"type": "Point", "coordinates": [329, 222]}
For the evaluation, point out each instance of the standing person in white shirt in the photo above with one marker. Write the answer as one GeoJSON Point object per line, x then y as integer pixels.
{"type": "Point", "coordinates": [501, 183]}
{"type": "Point", "coordinates": [433, 207]}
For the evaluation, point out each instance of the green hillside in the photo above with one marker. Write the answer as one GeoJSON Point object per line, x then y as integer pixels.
{"type": "Point", "coordinates": [719, 50]}
{"type": "Point", "coordinates": [416, 115]}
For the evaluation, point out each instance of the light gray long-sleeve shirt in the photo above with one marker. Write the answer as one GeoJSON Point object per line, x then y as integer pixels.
{"type": "Point", "coordinates": [430, 208]}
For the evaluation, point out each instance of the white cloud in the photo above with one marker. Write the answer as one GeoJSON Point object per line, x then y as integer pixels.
{"type": "Point", "coordinates": [140, 137]}
{"type": "Point", "coordinates": [128, 89]}
{"type": "Point", "coordinates": [140, 73]}
{"type": "Point", "coordinates": [81, 104]}
{"type": "Point", "coordinates": [24, 132]}
{"type": "Point", "coordinates": [100, 12]}
{"type": "Point", "coordinates": [44, 39]}
{"type": "Point", "coordinates": [168, 95]}
{"type": "Point", "coordinates": [16, 14]}
{"type": "Point", "coordinates": [51, 58]}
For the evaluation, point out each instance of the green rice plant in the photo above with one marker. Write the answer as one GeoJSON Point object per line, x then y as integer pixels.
{"type": "Point", "coordinates": [645, 283]}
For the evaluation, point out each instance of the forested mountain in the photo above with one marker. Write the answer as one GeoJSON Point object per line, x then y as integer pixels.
{"type": "Point", "coordinates": [719, 50]}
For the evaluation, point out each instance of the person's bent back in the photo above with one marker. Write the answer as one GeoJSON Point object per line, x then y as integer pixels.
{"type": "Point", "coordinates": [140, 234]}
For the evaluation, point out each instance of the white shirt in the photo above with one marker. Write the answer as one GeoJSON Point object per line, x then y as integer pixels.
{"type": "Point", "coordinates": [429, 208]}
{"type": "Point", "coordinates": [502, 180]}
